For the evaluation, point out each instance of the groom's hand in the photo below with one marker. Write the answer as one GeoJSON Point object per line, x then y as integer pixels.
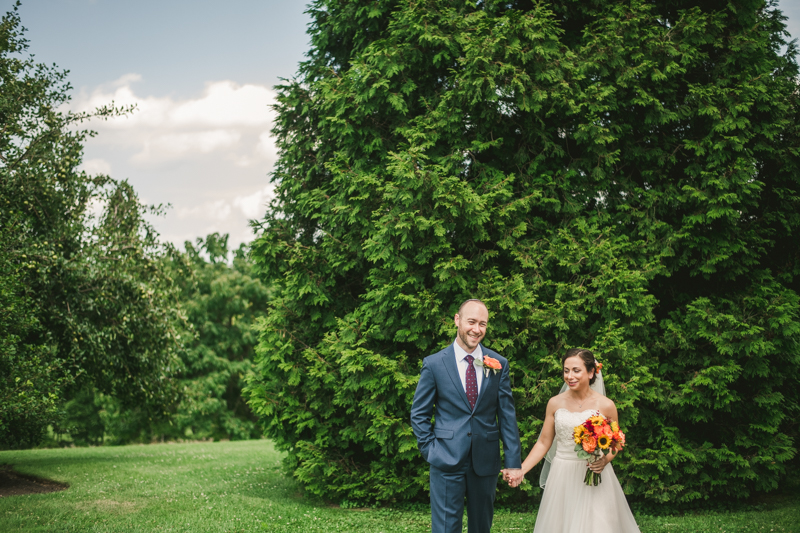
{"type": "Point", "coordinates": [513, 476]}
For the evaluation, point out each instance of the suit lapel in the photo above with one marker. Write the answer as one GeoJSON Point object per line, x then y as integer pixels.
{"type": "Point", "coordinates": [488, 380]}
{"type": "Point", "coordinates": [452, 370]}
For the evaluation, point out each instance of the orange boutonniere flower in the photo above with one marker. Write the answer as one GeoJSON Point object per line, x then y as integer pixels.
{"type": "Point", "coordinates": [492, 363]}
{"type": "Point", "coordinates": [488, 363]}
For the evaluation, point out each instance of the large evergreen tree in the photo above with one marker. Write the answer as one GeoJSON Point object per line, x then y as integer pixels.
{"type": "Point", "coordinates": [620, 176]}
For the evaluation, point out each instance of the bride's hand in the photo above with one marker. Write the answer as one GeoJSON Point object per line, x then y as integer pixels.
{"type": "Point", "coordinates": [600, 464]}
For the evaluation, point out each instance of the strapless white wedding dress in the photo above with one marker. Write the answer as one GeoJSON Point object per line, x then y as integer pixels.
{"type": "Point", "coordinates": [570, 506]}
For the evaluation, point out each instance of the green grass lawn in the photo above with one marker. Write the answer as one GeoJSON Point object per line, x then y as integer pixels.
{"type": "Point", "coordinates": [239, 486]}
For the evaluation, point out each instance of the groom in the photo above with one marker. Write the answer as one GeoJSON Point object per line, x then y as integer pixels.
{"type": "Point", "coordinates": [473, 408]}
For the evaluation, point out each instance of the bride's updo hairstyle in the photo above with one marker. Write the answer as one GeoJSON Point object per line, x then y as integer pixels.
{"type": "Point", "coordinates": [588, 361]}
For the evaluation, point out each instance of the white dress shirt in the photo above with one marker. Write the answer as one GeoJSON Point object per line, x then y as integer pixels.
{"type": "Point", "coordinates": [462, 364]}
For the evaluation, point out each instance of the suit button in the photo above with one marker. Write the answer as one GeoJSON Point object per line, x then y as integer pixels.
{"type": "Point", "coordinates": [469, 434]}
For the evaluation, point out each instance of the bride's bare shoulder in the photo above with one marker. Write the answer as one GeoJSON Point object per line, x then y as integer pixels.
{"type": "Point", "coordinates": [606, 404]}
{"type": "Point", "coordinates": [557, 402]}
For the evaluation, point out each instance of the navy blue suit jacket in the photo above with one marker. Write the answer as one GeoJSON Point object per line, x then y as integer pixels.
{"type": "Point", "coordinates": [458, 429]}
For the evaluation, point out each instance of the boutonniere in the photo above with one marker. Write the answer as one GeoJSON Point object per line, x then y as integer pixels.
{"type": "Point", "coordinates": [488, 363]}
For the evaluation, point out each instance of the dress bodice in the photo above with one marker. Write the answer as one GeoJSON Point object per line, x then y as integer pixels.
{"type": "Point", "coordinates": [565, 422]}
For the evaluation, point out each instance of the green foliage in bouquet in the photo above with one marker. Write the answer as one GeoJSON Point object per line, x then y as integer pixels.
{"type": "Point", "coordinates": [619, 176]}
{"type": "Point", "coordinates": [85, 301]}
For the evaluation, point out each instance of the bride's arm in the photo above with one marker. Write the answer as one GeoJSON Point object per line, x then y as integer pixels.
{"type": "Point", "coordinates": [539, 450]}
{"type": "Point", "coordinates": [609, 411]}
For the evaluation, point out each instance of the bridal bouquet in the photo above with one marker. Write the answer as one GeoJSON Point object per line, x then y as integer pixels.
{"type": "Point", "coordinates": [594, 437]}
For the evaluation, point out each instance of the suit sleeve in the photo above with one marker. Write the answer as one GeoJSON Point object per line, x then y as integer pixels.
{"type": "Point", "coordinates": [422, 409]}
{"type": "Point", "coordinates": [507, 419]}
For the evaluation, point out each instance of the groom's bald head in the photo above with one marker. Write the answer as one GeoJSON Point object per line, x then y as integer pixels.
{"type": "Point", "coordinates": [465, 302]}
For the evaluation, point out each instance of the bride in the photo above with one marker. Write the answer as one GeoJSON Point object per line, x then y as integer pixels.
{"type": "Point", "coordinates": [568, 505]}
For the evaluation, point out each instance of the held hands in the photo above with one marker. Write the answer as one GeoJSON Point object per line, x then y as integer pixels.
{"type": "Point", "coordinates": [513, 476]}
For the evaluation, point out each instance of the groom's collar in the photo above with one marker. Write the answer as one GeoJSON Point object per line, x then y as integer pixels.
{"type": "Point", "coordinates": [461, 353]}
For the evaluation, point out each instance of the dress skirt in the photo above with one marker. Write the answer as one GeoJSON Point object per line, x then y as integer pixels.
{"type": "Point", "coordinates": [570, 506]}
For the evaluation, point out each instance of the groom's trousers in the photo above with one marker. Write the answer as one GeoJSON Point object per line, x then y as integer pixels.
{"type": "Point", "coordinates": [447, 499]}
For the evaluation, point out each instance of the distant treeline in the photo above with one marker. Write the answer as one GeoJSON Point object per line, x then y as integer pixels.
{"type": "Point", "coordinates": [219, 303]}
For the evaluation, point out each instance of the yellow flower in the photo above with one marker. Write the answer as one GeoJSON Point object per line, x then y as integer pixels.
{"type": "Point", "coordinates": [604, 441]}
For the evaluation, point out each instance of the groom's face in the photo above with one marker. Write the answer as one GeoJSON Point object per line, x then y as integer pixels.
{"type": "Point", "coordinates": [471, 323]}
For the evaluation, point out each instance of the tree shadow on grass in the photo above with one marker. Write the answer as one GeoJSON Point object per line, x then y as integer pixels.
{"type": "Point", "coordinates": [15, 484]}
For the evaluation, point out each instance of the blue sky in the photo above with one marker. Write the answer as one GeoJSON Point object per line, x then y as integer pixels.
{"type": "Point", "coordinates": [201, 74]}
{"type": "Point", "coordinates": [175, 45]}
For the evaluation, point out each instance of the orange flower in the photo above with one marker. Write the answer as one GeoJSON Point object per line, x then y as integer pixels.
{"type": "Point", "coordinates": [589, 444]}
{"type": "Point", "coordinates": [492, 363]}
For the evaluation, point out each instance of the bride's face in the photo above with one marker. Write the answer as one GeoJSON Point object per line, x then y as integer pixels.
{"type": "Point", "coordinates": [575, 374]}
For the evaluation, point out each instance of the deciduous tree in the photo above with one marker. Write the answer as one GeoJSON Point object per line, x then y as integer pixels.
{"type": "Point", "coordinates": [89, 303]}
{"type": "Point", "coordinates": [221, 299]}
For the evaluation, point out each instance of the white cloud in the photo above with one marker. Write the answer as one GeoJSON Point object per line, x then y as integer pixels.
{"type": "Point", "coordinates": [209, 156]}
{"type": "Point", "coordinates": [174, 145]}
{"type": "Point", "coordinates": [226, 104]}
{"type": "Point", "coordinates": [96, 166]}
{"type": "Point", "coordinates": [266, 147]}
{"type": "Point", "coordinates": [217, 210]}
{"type": "Point", "coordinates": [254, 205]}
{"type": "Point", "coordinates": [228, 118]}
{"type": "Point", "coordinates": [248, 205]}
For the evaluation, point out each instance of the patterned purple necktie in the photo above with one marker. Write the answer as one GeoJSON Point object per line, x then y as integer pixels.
{"type": "Point", "coordinates": [472, 383]}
